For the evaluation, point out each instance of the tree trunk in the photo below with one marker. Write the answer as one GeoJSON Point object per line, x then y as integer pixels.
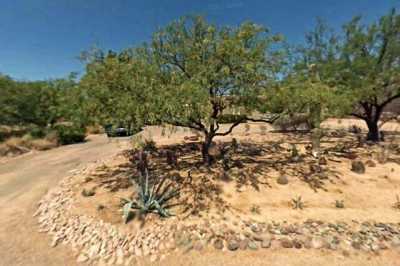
{"type": "Point", "coordinates": [373, 131]}
{"type": "Point", "coordinates": [205, 149]}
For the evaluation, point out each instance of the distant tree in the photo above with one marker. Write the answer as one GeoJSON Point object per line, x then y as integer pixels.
{"type": "Point", "coordinates": [307, 93]}
{"type": "Point", "coordinates": [205, 72]}
{"type": "Point", "coordinates": [363, 64]}
{"type": "Point", "coordinates": [37, 103]}
{"type": "Point", "coordinates": [369, 67]}
{"type": "Point", "coordinates": [8, 93]}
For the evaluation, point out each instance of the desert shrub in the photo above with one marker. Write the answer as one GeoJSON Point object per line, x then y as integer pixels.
{"type": "Point", "coordinates": [20, 145]}
{"type": "Point", "coordinates": [7, 132]}
{"type": "Point", "coordinates": [42, 144]}
{"type": "Point", "coordinates": [69, 134]}
{"type": "Point", "coordinates": [146, 144]}
{"type": "Point", "coordinates": [14, 146]}
{"type": "Point", "coordinates": [37, 132]}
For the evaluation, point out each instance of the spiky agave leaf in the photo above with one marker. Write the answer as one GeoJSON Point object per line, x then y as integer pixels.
{"type": "Point", "coordinates": [162, 211]}
{"type": "Point", "coordinates": [152, 197]}
{"type": "Point", "coordinates": [127, 211]}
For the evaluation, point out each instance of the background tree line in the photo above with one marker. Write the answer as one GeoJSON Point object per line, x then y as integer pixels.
{"type": "Point", "coordinates": [195, 74]}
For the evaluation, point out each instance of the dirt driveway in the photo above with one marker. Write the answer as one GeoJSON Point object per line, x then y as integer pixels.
{"type": "Point", "coordinates": [23, 181]}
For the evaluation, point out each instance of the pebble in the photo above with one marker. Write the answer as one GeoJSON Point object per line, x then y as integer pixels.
{"type": "Point", "coordinates": [218, 244]}
{"type": "Point", "coordinates": [243, 244]}
{"type": "Point", "coordinates": [297, 243]}
{"type": "Point", "coordinates": [317, 242]}
{"type": "Point", "coordinates": [252, 245]}
{"type": "Point", "coordinates": [286, 243]}
{"type": "Point", "coordinates": [233, 245]}
{"type": "Point", "coordinates": [82, 258]}
{"type": "Point", "coordinates": [396, 242]}
{"type": "Point", "coordinates": [282, 180]}
{"type": "Point", "coordinates": [266, 243]}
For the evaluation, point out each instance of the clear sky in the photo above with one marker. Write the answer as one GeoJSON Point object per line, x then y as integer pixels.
{"type": "Point", "coordinates": [42, 39]}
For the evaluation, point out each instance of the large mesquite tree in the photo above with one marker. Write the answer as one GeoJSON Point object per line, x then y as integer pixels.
{"type": "Point", "coordinates": [369, 67]}
{"type": "Point", "coordinates": [205, 72]}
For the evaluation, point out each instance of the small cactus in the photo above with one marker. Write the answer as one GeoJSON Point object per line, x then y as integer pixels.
{"type": "Point", "coordinates": [298, 203]}
{"type": "Point", "coordinates": [255, 209]}
{"type": "Point", "coordinates": [339, 204]}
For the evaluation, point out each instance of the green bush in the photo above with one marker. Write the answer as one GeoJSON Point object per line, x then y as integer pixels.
{"type": "Point", "coordinates": [70, 134]}
{"type": "Point", "coordinates": [37, 132]}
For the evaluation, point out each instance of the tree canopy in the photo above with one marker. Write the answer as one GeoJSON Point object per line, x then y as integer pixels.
{"type": "Point", "coordinates": [203, 71]}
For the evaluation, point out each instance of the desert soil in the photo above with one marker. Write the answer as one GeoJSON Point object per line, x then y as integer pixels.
{"type": "Point", "coordinates": [24, 180]}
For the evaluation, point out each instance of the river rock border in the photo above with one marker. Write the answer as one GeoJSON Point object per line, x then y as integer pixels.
{"type": "Point", "coordinates": [94, 240]}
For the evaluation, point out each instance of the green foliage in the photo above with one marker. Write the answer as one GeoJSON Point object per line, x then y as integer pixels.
{"type": "Point", "coordinates": [369, 59]}
{"type": "Point", "coordinates": [118, 88]}
{"type": "Point", "coordinates": [152, 198]}
{"type": "Point", "coordinates": [69, 134]}
{"type": "Point", "coordinates": [206, 69]}
{"type": "Point", "coordinates": [38, 132]}
{"type": "Point", "coordinates": [230, 118]}
{"type": "Point", "coordinates": [202, 71]}
{"type": "Point", "coordinates": [357, 71]}
{"type": "Point", "coordinates": [38, 103]}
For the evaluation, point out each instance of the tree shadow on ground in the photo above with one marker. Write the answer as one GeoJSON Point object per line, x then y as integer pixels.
{"type": "Point", "coordinates": [245, 163]}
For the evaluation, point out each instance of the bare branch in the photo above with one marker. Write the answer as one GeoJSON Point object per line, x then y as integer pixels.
{"type": "Point", "coordinates": [357, 115]}
{"type": "Point", "coordinates": [231, 128]}
{"type": "Point", "coordinates": [390, 99]}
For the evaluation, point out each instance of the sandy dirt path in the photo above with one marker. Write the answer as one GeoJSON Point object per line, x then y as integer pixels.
{"type": "Point", "coordinates": [23, 181]}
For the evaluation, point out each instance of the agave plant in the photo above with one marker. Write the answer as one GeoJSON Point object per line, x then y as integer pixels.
{"type": "Point", "coordinates": [151, 198]}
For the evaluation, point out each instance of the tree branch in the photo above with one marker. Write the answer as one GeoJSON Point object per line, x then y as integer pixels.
{"type": "Point", "coordinates": [231, 128]}
{"type": "Point", "coordinates": [269, 120]}
{"type": "Point", "coordinates": [390, 99]}
{"type": "Point", "coordinates": [245, 119]}
{"type": "Point", "coordinates": [358, 115]}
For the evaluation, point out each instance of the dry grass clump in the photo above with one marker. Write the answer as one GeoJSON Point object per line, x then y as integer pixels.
{"type": "Point", "coordinates": [42, 144]}
{"type": "Point", "coordinates": [19, 145]}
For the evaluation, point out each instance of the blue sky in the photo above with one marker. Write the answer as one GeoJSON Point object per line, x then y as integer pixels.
{"type": "Point", "coordinates": [42, 39]}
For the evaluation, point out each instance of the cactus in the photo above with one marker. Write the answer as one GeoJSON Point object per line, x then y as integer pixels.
{"type": "Point", "coordinates": [298, 203]}
{"type": "Point", "coordinates": [339, 204]}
